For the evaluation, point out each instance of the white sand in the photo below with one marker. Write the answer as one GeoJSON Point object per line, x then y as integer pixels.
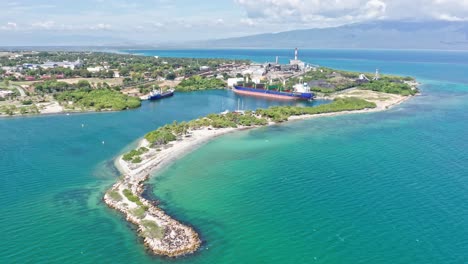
{"type": "Point", "coordinates": [50, 108]}
{"type": "Point", "coordinates": [155, 159]}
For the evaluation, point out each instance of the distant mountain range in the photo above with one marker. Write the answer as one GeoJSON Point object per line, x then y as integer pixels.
{"type": "Point", "coordinates": [444, 35]}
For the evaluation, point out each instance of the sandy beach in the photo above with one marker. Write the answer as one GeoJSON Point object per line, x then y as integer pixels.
{"type": "Point", "coordinates": [179, 239]}
{"type": "Point", "coordinates": [50, 108]}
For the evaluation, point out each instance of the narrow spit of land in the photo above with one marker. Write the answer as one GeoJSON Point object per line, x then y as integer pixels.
{"type": "Point", "coordinates": [162, 234]}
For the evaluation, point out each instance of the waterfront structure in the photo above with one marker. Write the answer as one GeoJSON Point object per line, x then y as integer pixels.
{"type": "Point", "coordinates": [64, 64]}
{"type": "Point", "coordinates": [300, 64]}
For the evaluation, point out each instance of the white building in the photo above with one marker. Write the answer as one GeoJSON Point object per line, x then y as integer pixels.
{"type": "Point", "coordinates": [64, 64]}
{"type": "Point", "coordinates": [5, 93]}
{"type": "Point", "coordinates": [233, 81]}
{"type": "Point", "coordinates": [95, 69]}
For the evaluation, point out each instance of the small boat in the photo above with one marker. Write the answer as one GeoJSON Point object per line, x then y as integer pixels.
{"type": "Point", "coordinates": [156, 95]}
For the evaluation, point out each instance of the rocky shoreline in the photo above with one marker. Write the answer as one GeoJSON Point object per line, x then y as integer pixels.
{"type": "Point", "coordinates": [176, 239]}
{"type": "Point", "coordinates": [162, 234]}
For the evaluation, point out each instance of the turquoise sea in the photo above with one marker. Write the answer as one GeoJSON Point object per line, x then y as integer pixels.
{"type": "Point", "coordinates": [387, 187]}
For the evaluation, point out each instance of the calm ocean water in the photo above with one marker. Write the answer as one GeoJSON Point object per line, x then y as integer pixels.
{"type": "Point", "coordinates": [386, 187]}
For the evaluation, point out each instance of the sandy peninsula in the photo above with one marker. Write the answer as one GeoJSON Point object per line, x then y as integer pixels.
{"type": "Point", "coordinates": [169, 237]}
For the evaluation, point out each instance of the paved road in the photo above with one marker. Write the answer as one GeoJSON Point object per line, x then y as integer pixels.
{"type": "Point", "coordinates": [21, 91]}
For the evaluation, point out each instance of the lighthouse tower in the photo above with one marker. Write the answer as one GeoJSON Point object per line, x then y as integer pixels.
{"type": "Point", "coordinates": [295, 54]}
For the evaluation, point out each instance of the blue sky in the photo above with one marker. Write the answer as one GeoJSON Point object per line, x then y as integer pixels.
{"type": "Point", "coordinates": [28, 22]}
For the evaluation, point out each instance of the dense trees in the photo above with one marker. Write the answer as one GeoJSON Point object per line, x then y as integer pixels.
{"type": "Point", "coordinates": [392, 87]}
{"type": "Point", "coordinates": [51, 86]}
{"type": "Point", "coordinates": [134, 155]}
{"type": "Point", "coordinates": [282, 113]}
{"type": "Point", "coordinates": [200, 83]}
{"type": "Point", "coordinates": [99, 99]}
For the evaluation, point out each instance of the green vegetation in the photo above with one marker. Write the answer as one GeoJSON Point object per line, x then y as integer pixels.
{"type": "Point", "coordinates": [170, 132]}
{"type": "Point", "coordinates": [160, 136]}
{"type": "Point", "coordinates": [139, 212]}
{"type": "Point", "coordinates": [137, 160]}
{"type": "Point", "coordinates": [114, 195]}
{"type": "Point", "coordinates": [23, 110]}
{"type": "Point", "coordinates": [134, 155]}
{"type": "Point", "coordinates": [152, 229]}
{"type": "Point", "coordinates": [99, 99]}
{"type": "Point", "coordinates": [196, 82]}
{"type": "Point", "coordinates": [27, 102]}
{"type": "Point", "coordinates": [282, 113]}
{"type": "Point", "coordinates": [131, 197]}
{"type": "Point", "coordinates": [52, 86]}
{"type": "Point", "coordinates": [136, 68]}
{"type": "Point", "coordinates": [391, 87]}
{"type": "Point", "coordinates": [132, 74]}
{"type": "Point", "coordinates": [327, 81]}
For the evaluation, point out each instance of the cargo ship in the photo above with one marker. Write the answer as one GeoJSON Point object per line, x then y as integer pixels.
{"type": "Point", "coordinates": [299, 92]}
{"type": "Point", "coordinates": [156, 95]}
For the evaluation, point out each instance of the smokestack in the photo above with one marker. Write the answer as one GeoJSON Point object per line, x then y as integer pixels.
{"type": "Point", "coordinates": [295, 54]}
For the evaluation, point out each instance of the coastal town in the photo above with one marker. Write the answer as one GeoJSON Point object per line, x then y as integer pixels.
{"type": "Point", "coordinates": [34, 82]}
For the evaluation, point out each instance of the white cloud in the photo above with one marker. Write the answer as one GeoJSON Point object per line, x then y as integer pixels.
{"type": "Point", "coordinates": [101, 26]}
{"type": "Point", "coordinates": [447, 17]}
{"type": "Point", "coordinates": [312, 12]}
{"type": "Point", "coordinates": [158, 24]}
{"type": "Point", "coordinates": [322, 13]}
{"type": "Point", "coordinates": [451, 10]}
{"type": "Point", "coordinates": [43, 24]}
{"type": "Point", "coordinates": [247, 21]}
{"type": "Point", "coordinates": [9, 26]}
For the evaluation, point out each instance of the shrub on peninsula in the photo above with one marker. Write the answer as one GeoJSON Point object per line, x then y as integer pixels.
{"type": "Point", "coordinates": [114, 195]}
{"type": "Point", "coordinates": [391, 87]}
{"type": "Point", "coordinates": [160, 137]}
{"type": "Point", "coordinates": [197, 82]}
{"type": "Point", "coordinates": [131, 197]}
{"type": "Point", "coordinates": [134, 155]}
{"type": "Point", "coordinates": [152, 229]}
{"type": "Point", "coordinates": [99, 99]}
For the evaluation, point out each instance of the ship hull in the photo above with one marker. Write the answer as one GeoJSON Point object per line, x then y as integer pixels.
{"type": "Point", "coordinates": [272, 94]}
{"type": "Point", "coordinates": [160, 96]}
